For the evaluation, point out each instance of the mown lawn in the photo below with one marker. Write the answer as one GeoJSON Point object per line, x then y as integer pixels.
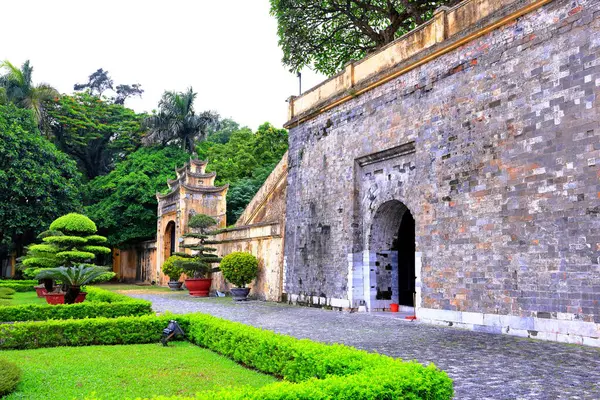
{"type": "Point", "coordinates": [21, 298]}
{"type": "Point", "coordinates": [119, 287]}
{"type": "Point", "coordinates": [120, 372]}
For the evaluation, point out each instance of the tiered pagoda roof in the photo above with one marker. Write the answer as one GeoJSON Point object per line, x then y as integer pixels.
{"type": "Point", "coordinates": [193, 178]}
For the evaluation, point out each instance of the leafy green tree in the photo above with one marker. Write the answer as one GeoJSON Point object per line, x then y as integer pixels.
{"type": "Point", "coordinates": [123, 202]}
{"type": "Point", "coordinates": [37, 182]}
{"type": "Point", "coordinates": [327, 34]}
{"type": "Point", "coordinates": [244, 161]}
{"type": "Point", "coordinates": [94, 132]}
{"type": "Point", "coordinates": [221, 131]}
{"type": "Point", "coordinates": [74, 278]}
{"type": "Point", "coordinates": [18, 88]}
{"type": "Point", "coordinates": [99, 82]}
{"type": "Point", "coordinates": [177, 122]}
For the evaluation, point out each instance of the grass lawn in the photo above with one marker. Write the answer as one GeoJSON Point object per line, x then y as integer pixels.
{"type": "Point", "coordinates": [21, 298]}
{"type": "Point", "coordinates": [119, 372]}
{"type": "Point", "coordinates": [120, 287]}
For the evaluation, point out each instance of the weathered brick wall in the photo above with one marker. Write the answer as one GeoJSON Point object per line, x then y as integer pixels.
{"type": "Point", "coordinates": [505, 187]}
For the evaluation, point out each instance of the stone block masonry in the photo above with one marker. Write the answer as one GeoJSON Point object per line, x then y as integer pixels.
{"type": "Point", "coordinates": [493, 147]}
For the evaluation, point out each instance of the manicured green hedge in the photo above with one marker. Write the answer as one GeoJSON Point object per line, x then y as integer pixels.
{"type": "Point", "coordinates": [19, 286]}
{"type": "Point", "coordinates": [83, 332]}
{"type": "Point", "coordinates": [10, 375]}
{"type": "Point", "coordinates": [99, 303]}
{"type": "Point", "coordinates": [315, 370]}
{"type": "Point", "coordinates": [310, 370]}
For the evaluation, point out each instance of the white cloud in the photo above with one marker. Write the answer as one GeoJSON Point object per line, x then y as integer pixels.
{"type": "Point", "coordinates": [226, 50]}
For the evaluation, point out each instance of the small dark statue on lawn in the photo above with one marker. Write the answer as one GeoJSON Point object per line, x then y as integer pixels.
{"type": "Point", "coordinates": [173, 329]}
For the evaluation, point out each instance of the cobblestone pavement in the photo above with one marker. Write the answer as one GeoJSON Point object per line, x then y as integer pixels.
{"type": "Point", "coordinates": [483, 366]}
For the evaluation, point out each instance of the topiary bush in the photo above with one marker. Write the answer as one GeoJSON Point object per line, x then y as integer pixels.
{"type": "Point", "coordinates": [10, 375]}
{"type": "Point", "coordinates": [6, 293]}
{"type": "Point", "coordinates": [199, 264]}
{"type": "Point", "coordinates": [70, 240]}
{"type": "Point", "coordinates": [74, 224]}
{"type": "Point", "coordinates": [239, 268]}
{"type": "Point", "coordinates": [170, 269]}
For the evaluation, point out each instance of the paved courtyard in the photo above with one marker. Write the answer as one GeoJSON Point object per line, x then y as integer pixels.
{"type": "Point", "coordinates": [483, 366]}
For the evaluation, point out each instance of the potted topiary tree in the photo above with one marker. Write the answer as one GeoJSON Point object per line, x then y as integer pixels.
{"type": "Point", "coordinates": [74, 277]}
{"type": "Point", "coordinates": [239, 269]}
{"type": "Point", "coordinates": [71, 240]}
{"type": "Point", "coordinates": [197, 266]}
{"type": "Point", "coordinates": [173, 271]}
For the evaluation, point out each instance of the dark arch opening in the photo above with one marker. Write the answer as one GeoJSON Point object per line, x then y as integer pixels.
{"type": "Point", "coordinates": [392, 239]}
{"type": "Point", "coordinates": [405, 246]}
{"type": "Point", "coordinates": [169, 240]}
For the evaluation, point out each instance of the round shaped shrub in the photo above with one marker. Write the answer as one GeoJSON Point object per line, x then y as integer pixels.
{"type": "Point", "coordinates": [95, 239]}
{"type": "Point", "coordinates": [10, 375]}
{"type": "Point", "coordinates": [171, 269]}
{"type": "Point", "coordinates": [69, 241]}
{"type": "Point", "coordinates": [239, 268]}
{"type": "Point", "coordinates": [75, 256]}
{"type": "Point", "coordinates": [201, 221]}
{"type": "Point", "coordinates": [74, 224]}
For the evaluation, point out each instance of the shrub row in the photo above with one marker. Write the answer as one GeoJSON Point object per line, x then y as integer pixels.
{"type": "Point", "coordinates": [10, 375]}
{"type": "Point", "coordinates": [310, 370]}
{"type": "Point", "coordinates": [83, 332]}
{"type": "Point", "coordinates": [19, 286]}
{"type": "Point", "coordinates": [27, 281]}
{"type": "Point", "coordinates": [102, 303]}
{"type": "Point", "coordinates": [314, 370]}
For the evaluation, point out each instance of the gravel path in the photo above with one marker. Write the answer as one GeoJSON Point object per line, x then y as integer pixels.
{"type": "Point", "coordinates": [483, 366]}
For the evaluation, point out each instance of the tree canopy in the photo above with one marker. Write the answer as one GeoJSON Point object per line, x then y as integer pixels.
{"type": "Point", "coordinates": [37, 182]}
{"type": "Point", "coordinates": [16, 86]}
{"type": "Point", "coordinates": [244, 161]}
{"type": "Point", "coordinates": [123, 202]}
{"type": "Point", "coordinates": [99, 82]}
{"type": "Point", "coordinates": [327, 34]}
{"type": "Point", "coordinates": [177, 122]}
{"type": "Point", "coordinates": [94, 132]}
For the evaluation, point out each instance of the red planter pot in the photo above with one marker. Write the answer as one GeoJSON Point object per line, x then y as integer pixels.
{"type": "Point", "coordinates": [394, 307]}
{"type": "Point", "coordinates": [41, 291]}
{"type": "Point", "coordinates": [55, 298]}
{"type": "Point", "coordinates": [199, 287]}
{"type": "Point", "coordinates": [80, 297]}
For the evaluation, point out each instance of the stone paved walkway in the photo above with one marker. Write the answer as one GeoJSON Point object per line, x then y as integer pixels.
{"type": "Point", "coordinates": [483, 366]}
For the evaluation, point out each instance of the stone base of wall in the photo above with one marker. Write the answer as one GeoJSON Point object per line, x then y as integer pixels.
{"type": "Point", "coordinates": [319, 302]}
{"type": "Point", "coordinates": [565, 330]}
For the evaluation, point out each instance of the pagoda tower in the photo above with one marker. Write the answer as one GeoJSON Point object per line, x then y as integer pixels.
{"type": "Point", "coordinates": [192, 192]}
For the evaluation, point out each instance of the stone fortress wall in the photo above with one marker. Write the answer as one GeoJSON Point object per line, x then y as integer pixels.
{"type": "Point", "coordinates": [485, 124]}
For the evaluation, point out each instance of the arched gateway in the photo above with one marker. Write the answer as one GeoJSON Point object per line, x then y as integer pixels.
{"type": "Point", "coordinates": [392, 256]}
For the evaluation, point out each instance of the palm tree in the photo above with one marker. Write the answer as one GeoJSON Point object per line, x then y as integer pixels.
{"type": "Point", "coordinates": [16, 87]}
{"type": "Point", "coordinates": [177, 121]}
{"type": "Point", "coordinates": [73, 278]}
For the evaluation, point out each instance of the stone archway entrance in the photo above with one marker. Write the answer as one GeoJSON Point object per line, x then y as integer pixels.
{"type": "Point", "coordinates": [169, 240]}
{"type": "Point", "coordinates": [392, 256]}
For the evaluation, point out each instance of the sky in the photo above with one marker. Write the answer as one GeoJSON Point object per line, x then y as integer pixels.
{"type": "Point", "coordinates": [226, 50]}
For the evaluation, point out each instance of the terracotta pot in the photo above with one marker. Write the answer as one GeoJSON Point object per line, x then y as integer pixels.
{"type": "Point", "coordinates": [55, 298]}
{"type": "Point", "coordinates": [175, 285]}
{"type": "Point", "coordinates": [198, 287]}
{"type": "Point", "coordinates": [240, 294]}
{"type": "Point", "coordinates": [41, 291]}
{"type": "Point", "coordinates": [80, 297]}
{"type": "Point", "coordinates": [394, 307]}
